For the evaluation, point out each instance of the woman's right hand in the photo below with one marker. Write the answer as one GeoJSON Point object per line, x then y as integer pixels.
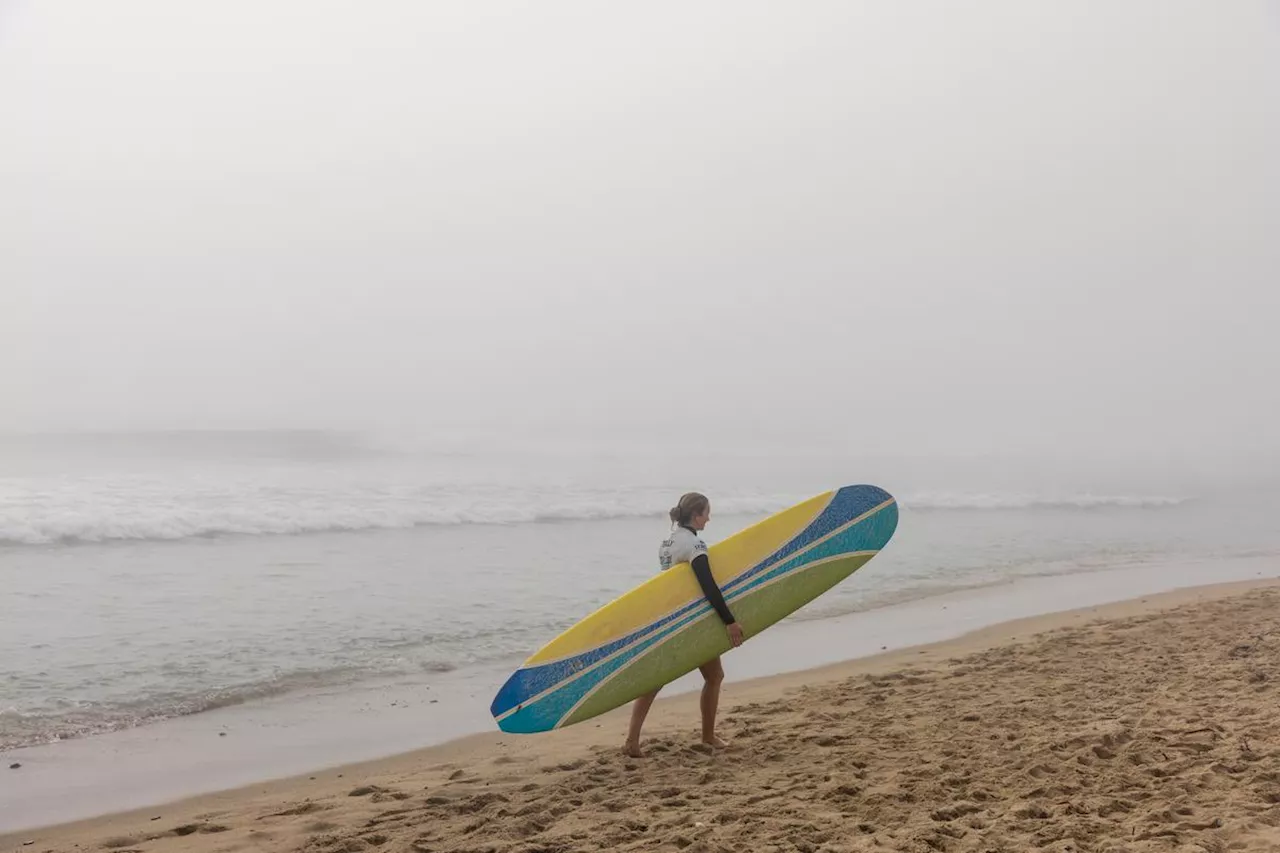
{"type": "Point", "coordinates": [736, 636]}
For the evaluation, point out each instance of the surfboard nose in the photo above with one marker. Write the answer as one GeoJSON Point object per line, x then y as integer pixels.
{"type": "Point", "coordinates": [520, 706]}
{"type": "Point", "coordinates": [520, 722]}
{"type": "Point", "coordinates": [508, 696]}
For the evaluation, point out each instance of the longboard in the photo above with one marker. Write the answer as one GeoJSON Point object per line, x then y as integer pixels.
{"type": "Point", "coordinates": [665, 627]}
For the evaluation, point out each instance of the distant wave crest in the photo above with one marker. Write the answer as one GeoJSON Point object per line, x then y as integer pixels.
{"type": "Point", "coordinates": [145, 516]}
{"type": "Point", "coordinates": [1024, 501]}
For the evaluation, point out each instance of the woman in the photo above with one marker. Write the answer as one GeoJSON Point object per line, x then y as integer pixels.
{"type": "Point", "coordinates": [688, 517]}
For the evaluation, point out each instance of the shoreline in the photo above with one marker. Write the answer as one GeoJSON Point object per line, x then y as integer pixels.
{"type": "Point", "coordinates": [673, 717]}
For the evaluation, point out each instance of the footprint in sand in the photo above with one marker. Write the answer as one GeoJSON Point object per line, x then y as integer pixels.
{"type": "Point", "coordinates": [300, 809]}
{"type": "Point", "coordinates": [366, 790]}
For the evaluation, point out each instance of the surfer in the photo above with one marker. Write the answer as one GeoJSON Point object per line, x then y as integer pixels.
{"type": "Point", "coordinates": [684, 545]}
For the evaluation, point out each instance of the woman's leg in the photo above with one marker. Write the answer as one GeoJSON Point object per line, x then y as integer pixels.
{"type": "Point", "coordinates": [639, 711]}
{"type": "Point", "coordinates": [713, 672]}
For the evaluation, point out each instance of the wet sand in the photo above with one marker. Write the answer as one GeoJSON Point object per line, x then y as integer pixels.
{"type": "Point", "coordinates": [1145, 725]}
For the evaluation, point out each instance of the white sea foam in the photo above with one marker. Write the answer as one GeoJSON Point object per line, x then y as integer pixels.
{"type": "Point", "coordinates": [132, 509]}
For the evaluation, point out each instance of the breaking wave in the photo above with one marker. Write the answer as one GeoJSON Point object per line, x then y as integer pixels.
{"type": "Point", "coordinates": [105, 515]}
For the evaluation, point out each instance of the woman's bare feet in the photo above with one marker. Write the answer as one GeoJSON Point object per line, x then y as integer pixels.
{"type": "Point", "coordinates": [632, 750]}
{"type": "Point", "coordinates": [716, 742]}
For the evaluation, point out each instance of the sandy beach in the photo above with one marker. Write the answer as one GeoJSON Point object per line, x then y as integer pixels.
{"type": "Point", "coordinates": [364, 366]}
{"type": "Point", "coordinates": [1144, 725]}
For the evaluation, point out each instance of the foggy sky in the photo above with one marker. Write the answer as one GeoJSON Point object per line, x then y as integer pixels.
{"type": "Point", "coordinates": [1046, 228]}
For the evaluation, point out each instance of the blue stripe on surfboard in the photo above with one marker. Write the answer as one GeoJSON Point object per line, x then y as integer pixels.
{"type": "Point", "coordinates": [546, 712]}
{"type": "Point", "coordinates": [848, 503]}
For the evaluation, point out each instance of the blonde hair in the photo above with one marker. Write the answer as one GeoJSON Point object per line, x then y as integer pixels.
{"type": "Point", "coordinates": [689, 505]}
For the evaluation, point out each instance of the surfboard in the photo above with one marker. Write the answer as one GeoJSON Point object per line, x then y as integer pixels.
{"type": "Point", "coordinates": [665, 627]}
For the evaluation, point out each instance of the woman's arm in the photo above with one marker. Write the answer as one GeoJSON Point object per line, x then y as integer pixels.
{"type": "Point", "coordinates": [702, 571]}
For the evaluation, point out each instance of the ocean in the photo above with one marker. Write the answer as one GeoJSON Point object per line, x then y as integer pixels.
{"type": "Point", "coordinates": [151, 576]}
